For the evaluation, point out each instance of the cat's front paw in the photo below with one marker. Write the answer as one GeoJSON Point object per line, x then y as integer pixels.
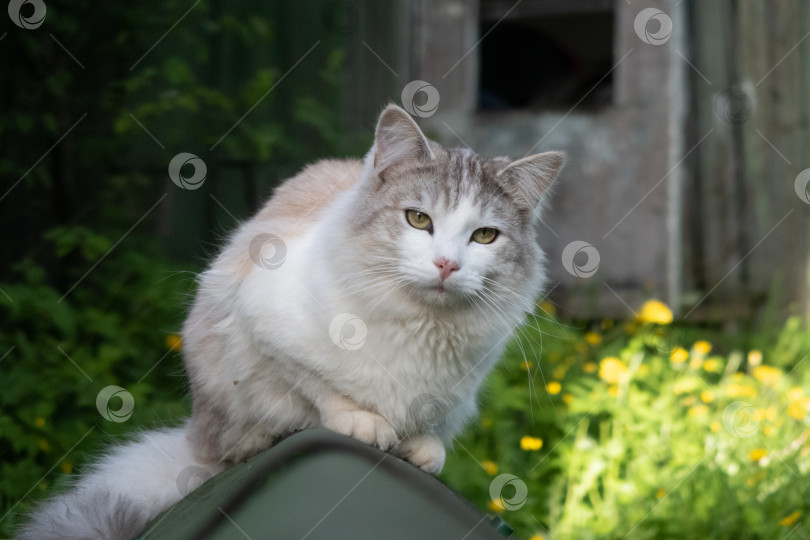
{"type": "Point", "coordinates": [365, 426]}
{"type": "Point", "coordinates": [425, 451]}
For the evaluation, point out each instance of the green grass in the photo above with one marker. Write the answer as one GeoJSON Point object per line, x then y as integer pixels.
{"type": "Point", "coordinates": [642, 445]}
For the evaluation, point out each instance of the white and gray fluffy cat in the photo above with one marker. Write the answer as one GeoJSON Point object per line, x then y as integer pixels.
{"type": "Point", "coordinates": [368, 297]}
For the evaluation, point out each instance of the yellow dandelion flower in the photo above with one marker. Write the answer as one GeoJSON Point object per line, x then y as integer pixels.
{"type": "Point", "coordinates": [655, 311]}
{"type": "Point", "coordinates": [559, 372]}
{"type": "Point", "coordinates": [67, 467]}
{"type": "Point", "coordinates": [548, 307]}
{"type": "Point", "coordinates": [607, 324]}
{"type": "Point", "coordinates": [589, 367]}
{"type": "Point", "coordinates": [750, 481]}
{"type": "Point", "coordinates": [767, 375]}
{"type": "Point", "coordinates": [526, 365]}
{"type": "Point", "coordinates": [537, 537]}
{"type": "Point", "coordinates": [643, 369]}
{"type": "Point", "coordinates": [490, 467]}
{"type": "Point", "coordinates": [789, 521]}
{"type": "Point", "coordinates": [592, 338]}
{"type": "Point", "coordinates": [661, 493]}
{"type": "Point", "coordinates": [612, 370]}
{"type": "Point", "coordinates": [567, 399]}
{"type": "Point", "coordinates": [496, 506]}
{"type": "Point", "coordinates": [715, 426]}
{"type": "Point", "coordinates": [630, 327]}
{"type": "Point", "coordinates": [554, 356]}
{"type": "Point", "coordinates": [39, 421]}
{"type": "Point", "coordinates": [696, 362]}
{"type": "Point", "coordinates": [769, 430]}
{"type": "Point", "coordinates": [757, 453]}
{"type": "Point", "coordinates": [797, 409]}
{"type": "Point", "coordinates": [699, 410]}
{"type": "Point", "coordinates": [713, 365]}
{"type": "Point", "coordinates": [740, 390]}
{"type": "Point", "coordinates": [689, 401]}
{"type": "Point", "coordinates": [768, 414]}
{"type": "Point", "coordinates": [613, 391]}
{"type": "Point", "coordinates": [707, 396]}
{"type": "Point", "coordinates": [796, 393]}
{"type": "Point", "coordinates": [486, 422]}
{"type": "Point", "coordinates": [581, 347]}
{"type": "Point", "coordinates": [702, 347]}
{"type": "Point", "coordinates": [44, 445]}
{"type": "Point", "coordinates": [754, 358]}
{"type": "Point", "coordinates": [553, 388]}
{"type": "Point", "coordinates": [529, 443]}
{"type": "Point", "coordinates": [678, 355]}
{"type": "Point", "coordinates": [174, 342]}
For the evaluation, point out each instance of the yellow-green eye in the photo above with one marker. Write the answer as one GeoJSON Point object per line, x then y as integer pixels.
{"type": "Point", "coordinates": [418, 219]}
{"type": "Point", "coordinates": [485, 235]}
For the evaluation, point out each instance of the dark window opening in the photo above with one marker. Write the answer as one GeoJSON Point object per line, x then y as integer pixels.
{"type": "Point", "coordinates": [547, 55]}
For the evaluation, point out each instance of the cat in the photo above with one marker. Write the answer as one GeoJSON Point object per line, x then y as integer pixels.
{"type": "Point", "coordinates": [369, 297]}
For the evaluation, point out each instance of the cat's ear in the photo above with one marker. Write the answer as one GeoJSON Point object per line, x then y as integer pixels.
{"type": "Point", "coordinates": [398, 139]}
{"type": "Point", "coordinates": [528, 179]}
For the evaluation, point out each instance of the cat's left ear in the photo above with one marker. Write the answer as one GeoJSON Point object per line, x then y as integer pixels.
{"type": "Point", "coordinates": [528, 179]}
{"type": "Point", "coordinates": [398, 139]}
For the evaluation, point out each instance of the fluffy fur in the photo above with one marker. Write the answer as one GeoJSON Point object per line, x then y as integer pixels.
{"type": "Point", "coordinates": [328, 309]}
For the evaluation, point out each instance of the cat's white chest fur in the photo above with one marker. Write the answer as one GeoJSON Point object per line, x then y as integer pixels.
{"type": "Point", "coordinates": [387, 363]}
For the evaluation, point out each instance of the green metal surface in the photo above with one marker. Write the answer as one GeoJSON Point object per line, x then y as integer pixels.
{"type": "Point", "coordinates": [320, 485]}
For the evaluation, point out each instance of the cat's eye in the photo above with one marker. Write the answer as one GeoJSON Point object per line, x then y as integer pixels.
{"type": "Point", "coordinates": [417, 219]}
{"type": "Point", "coordinates": [485, 235]}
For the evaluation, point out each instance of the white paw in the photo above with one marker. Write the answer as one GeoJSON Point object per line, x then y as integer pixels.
{"type": "Point", "coordinates": [425, 451]}
{"type": "Point", "coordinates": [365, 426]}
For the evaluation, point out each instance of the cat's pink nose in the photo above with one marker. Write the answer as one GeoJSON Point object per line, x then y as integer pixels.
{"type": "Point", "coordinates": [445, 266]}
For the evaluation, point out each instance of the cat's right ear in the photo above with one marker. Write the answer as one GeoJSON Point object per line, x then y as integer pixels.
{"type": "Point", "coordinates": [398, 139]}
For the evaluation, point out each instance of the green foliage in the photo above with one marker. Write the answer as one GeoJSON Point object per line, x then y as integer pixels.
{"type": "Point", "coordinates": [63, 345]}
{"type": "Point", "coordinates": [639, 441]}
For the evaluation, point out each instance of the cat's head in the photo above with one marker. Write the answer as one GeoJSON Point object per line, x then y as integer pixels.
{"type": "Point", "coordinates": [447, 227]}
